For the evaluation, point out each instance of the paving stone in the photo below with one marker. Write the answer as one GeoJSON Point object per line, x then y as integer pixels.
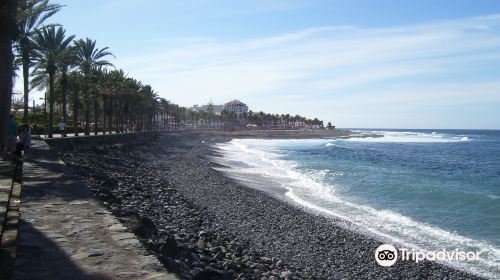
{"type": "Point", "coordinates": [128, 274]}
{"type": "Point", "coordinates": [80, 256]}
{"type": "Point", "coordinates": [66, 233]}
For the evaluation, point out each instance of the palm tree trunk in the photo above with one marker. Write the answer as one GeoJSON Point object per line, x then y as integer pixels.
{"type": "Point", "coordinates": [87, 117]}
{"type": "Point", "coordinates": [168, 118]}
{"type": "Point", "coordinates": [139, 122]}
{"type": "Point", "coordinates": [96, 116]}
{"type": "Point", "coordinates": [26, 83]}
{"type": "Point", "coordinates": [7, 31]}
{"type": "Point", "coordinates": [118, 118]}
{"type": "Point", "coordinates": [75, 113]}
{"type": "Point", "coordinates": [127, 117]}
{"type": "Point", "coordinates": [104, 108]}
{"type": "Point", "coordinates": [64, 88]}
{"type": "Point", "coordinates": [162, 119]}
{"type": "Point", "coordinates": [124, 121]}
{"type": "Point", "coordinates": [6, 73]}
{"type": "Point", "coordinates": [51, 103]}
{"type": "Point", "coordinates": [110, 116]}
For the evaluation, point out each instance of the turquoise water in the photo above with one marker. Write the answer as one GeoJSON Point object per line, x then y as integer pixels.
{"type": "Point", "coordinates": [426, 189]}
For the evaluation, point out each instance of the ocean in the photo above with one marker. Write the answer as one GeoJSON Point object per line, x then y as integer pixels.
{"type": "Point", "coordinates": [423, 189]}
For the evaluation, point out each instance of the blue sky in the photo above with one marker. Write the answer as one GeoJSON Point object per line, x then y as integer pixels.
{"type": "Point", "coordinates": [384, 64]}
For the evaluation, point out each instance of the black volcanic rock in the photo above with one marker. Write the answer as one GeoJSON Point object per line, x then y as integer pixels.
{"type": "Point", "coordinates": [145, 228]}
{"type": "Point", "coordinates": [213, 274]}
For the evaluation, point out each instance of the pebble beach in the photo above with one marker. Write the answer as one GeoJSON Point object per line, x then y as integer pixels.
{"type": "Point", "coordinates": [204, 225]}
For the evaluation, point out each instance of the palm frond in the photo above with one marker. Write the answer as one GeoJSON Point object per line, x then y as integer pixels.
{"type": "Point", "coordinates": [39, 79]}
{"type": "Point", "coordinates": [89, 56]}
{"type": "Point", "coordinates": [51, 47]}
{"type": "Point", "coordinates": [31, 14]}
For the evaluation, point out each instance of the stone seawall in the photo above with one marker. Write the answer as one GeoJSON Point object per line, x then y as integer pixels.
{"type": "Point", "coordinates": [97, 140]}
{"type": "Point", "coordinates": [146, 137]}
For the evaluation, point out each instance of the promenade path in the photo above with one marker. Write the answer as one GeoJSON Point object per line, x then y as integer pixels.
{"type": "Point", "coordinates": [10, 189]}
{"type": "Point", "coordinates": [66, 233]}
{"type": "Point", "coordinates": [6, 175]}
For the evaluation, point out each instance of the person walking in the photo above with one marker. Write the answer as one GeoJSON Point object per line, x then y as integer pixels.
{"type": "Point", "coordinates": [24, 141]}
{"type": "Point", "coordinates": [26, 136]}
{"type": "Point", "coordinates": [62, 127]}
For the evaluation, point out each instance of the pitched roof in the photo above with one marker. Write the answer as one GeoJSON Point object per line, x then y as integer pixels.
{"type": "Point", "coordinates": [235, 103]}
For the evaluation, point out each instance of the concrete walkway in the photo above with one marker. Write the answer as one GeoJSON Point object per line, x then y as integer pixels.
{"type": "Point", "coordinates": [65, 233]}
{"type": "Point", "coordinates": [6, 175]}
{"type": "Point", "coordinates": [10, 189]}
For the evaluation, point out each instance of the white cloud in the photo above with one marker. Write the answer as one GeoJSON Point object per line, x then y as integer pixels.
{"type": "Point", "coordinates": [318, 60]}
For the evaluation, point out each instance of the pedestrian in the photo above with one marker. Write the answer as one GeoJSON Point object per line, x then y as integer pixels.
{"type": "Point", "coordinates": [62, 126]}
{"type": "Point", "coordinates": [10, 138]}
{"type": "Point", "coordinates": [27, 136]}
{"type": "Point", "coordinates": [24, 140]}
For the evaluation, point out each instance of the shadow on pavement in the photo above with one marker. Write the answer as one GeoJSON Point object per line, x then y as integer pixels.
{"type": "Point", "coordinates": [38, 257]}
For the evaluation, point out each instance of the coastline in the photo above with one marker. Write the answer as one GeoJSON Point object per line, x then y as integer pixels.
{"type": "Point", "coordinates": [176, 197]}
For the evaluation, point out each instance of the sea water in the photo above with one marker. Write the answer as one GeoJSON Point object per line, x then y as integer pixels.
{"type": "Point", "coordinates": [424, 189]}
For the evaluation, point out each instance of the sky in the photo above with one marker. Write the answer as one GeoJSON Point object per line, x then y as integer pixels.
{"type": "Point", "coordinates": [359, 64]}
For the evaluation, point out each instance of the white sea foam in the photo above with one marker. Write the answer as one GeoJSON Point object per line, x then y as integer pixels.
{"type": "Point", "coordinates": [307, 188]}
{"type": "Point", "coordinates": [409, 137]}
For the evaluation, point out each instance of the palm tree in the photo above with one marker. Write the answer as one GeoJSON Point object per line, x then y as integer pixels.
{"type": "Point", "coordinates": [131, 105]}
{"type": "Point", "coordinates": [111, 84]}
{"type": "Point", "coordinates": [102, 87]}
{"type": "Point", "coordinates": [7, 35]}
{"type": "Point", "coordinates": [163, 108]}
{"type": "Point", "coordinates": [51, 47]}
{"type": "Point", "coordinates": [67, 61]}
{"type": "Point", "coordinates": [39, 80]}
{"type": "Point", "coordinates": [147, 106]}
{"type": "Point", "coordinates": [90, 58]}
{"type": "Point", "coordinates": [76, 83]}
{"type": "Point", "coordinates": [31, 14]}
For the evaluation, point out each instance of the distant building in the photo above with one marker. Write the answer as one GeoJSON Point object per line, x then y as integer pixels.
{"type": "Point", "coordinates": [236, 106]}
{"type": "Point", "coordinates": [216, 109]}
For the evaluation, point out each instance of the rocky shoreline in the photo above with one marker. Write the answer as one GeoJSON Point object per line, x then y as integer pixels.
{"type": "Point", "coordinates": [203, 225]}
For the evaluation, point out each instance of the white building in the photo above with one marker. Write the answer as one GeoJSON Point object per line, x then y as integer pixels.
{"type": "Point", "coordinates": [236, 106]}
{"type": "Point", "coordinates": [216, 109]}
